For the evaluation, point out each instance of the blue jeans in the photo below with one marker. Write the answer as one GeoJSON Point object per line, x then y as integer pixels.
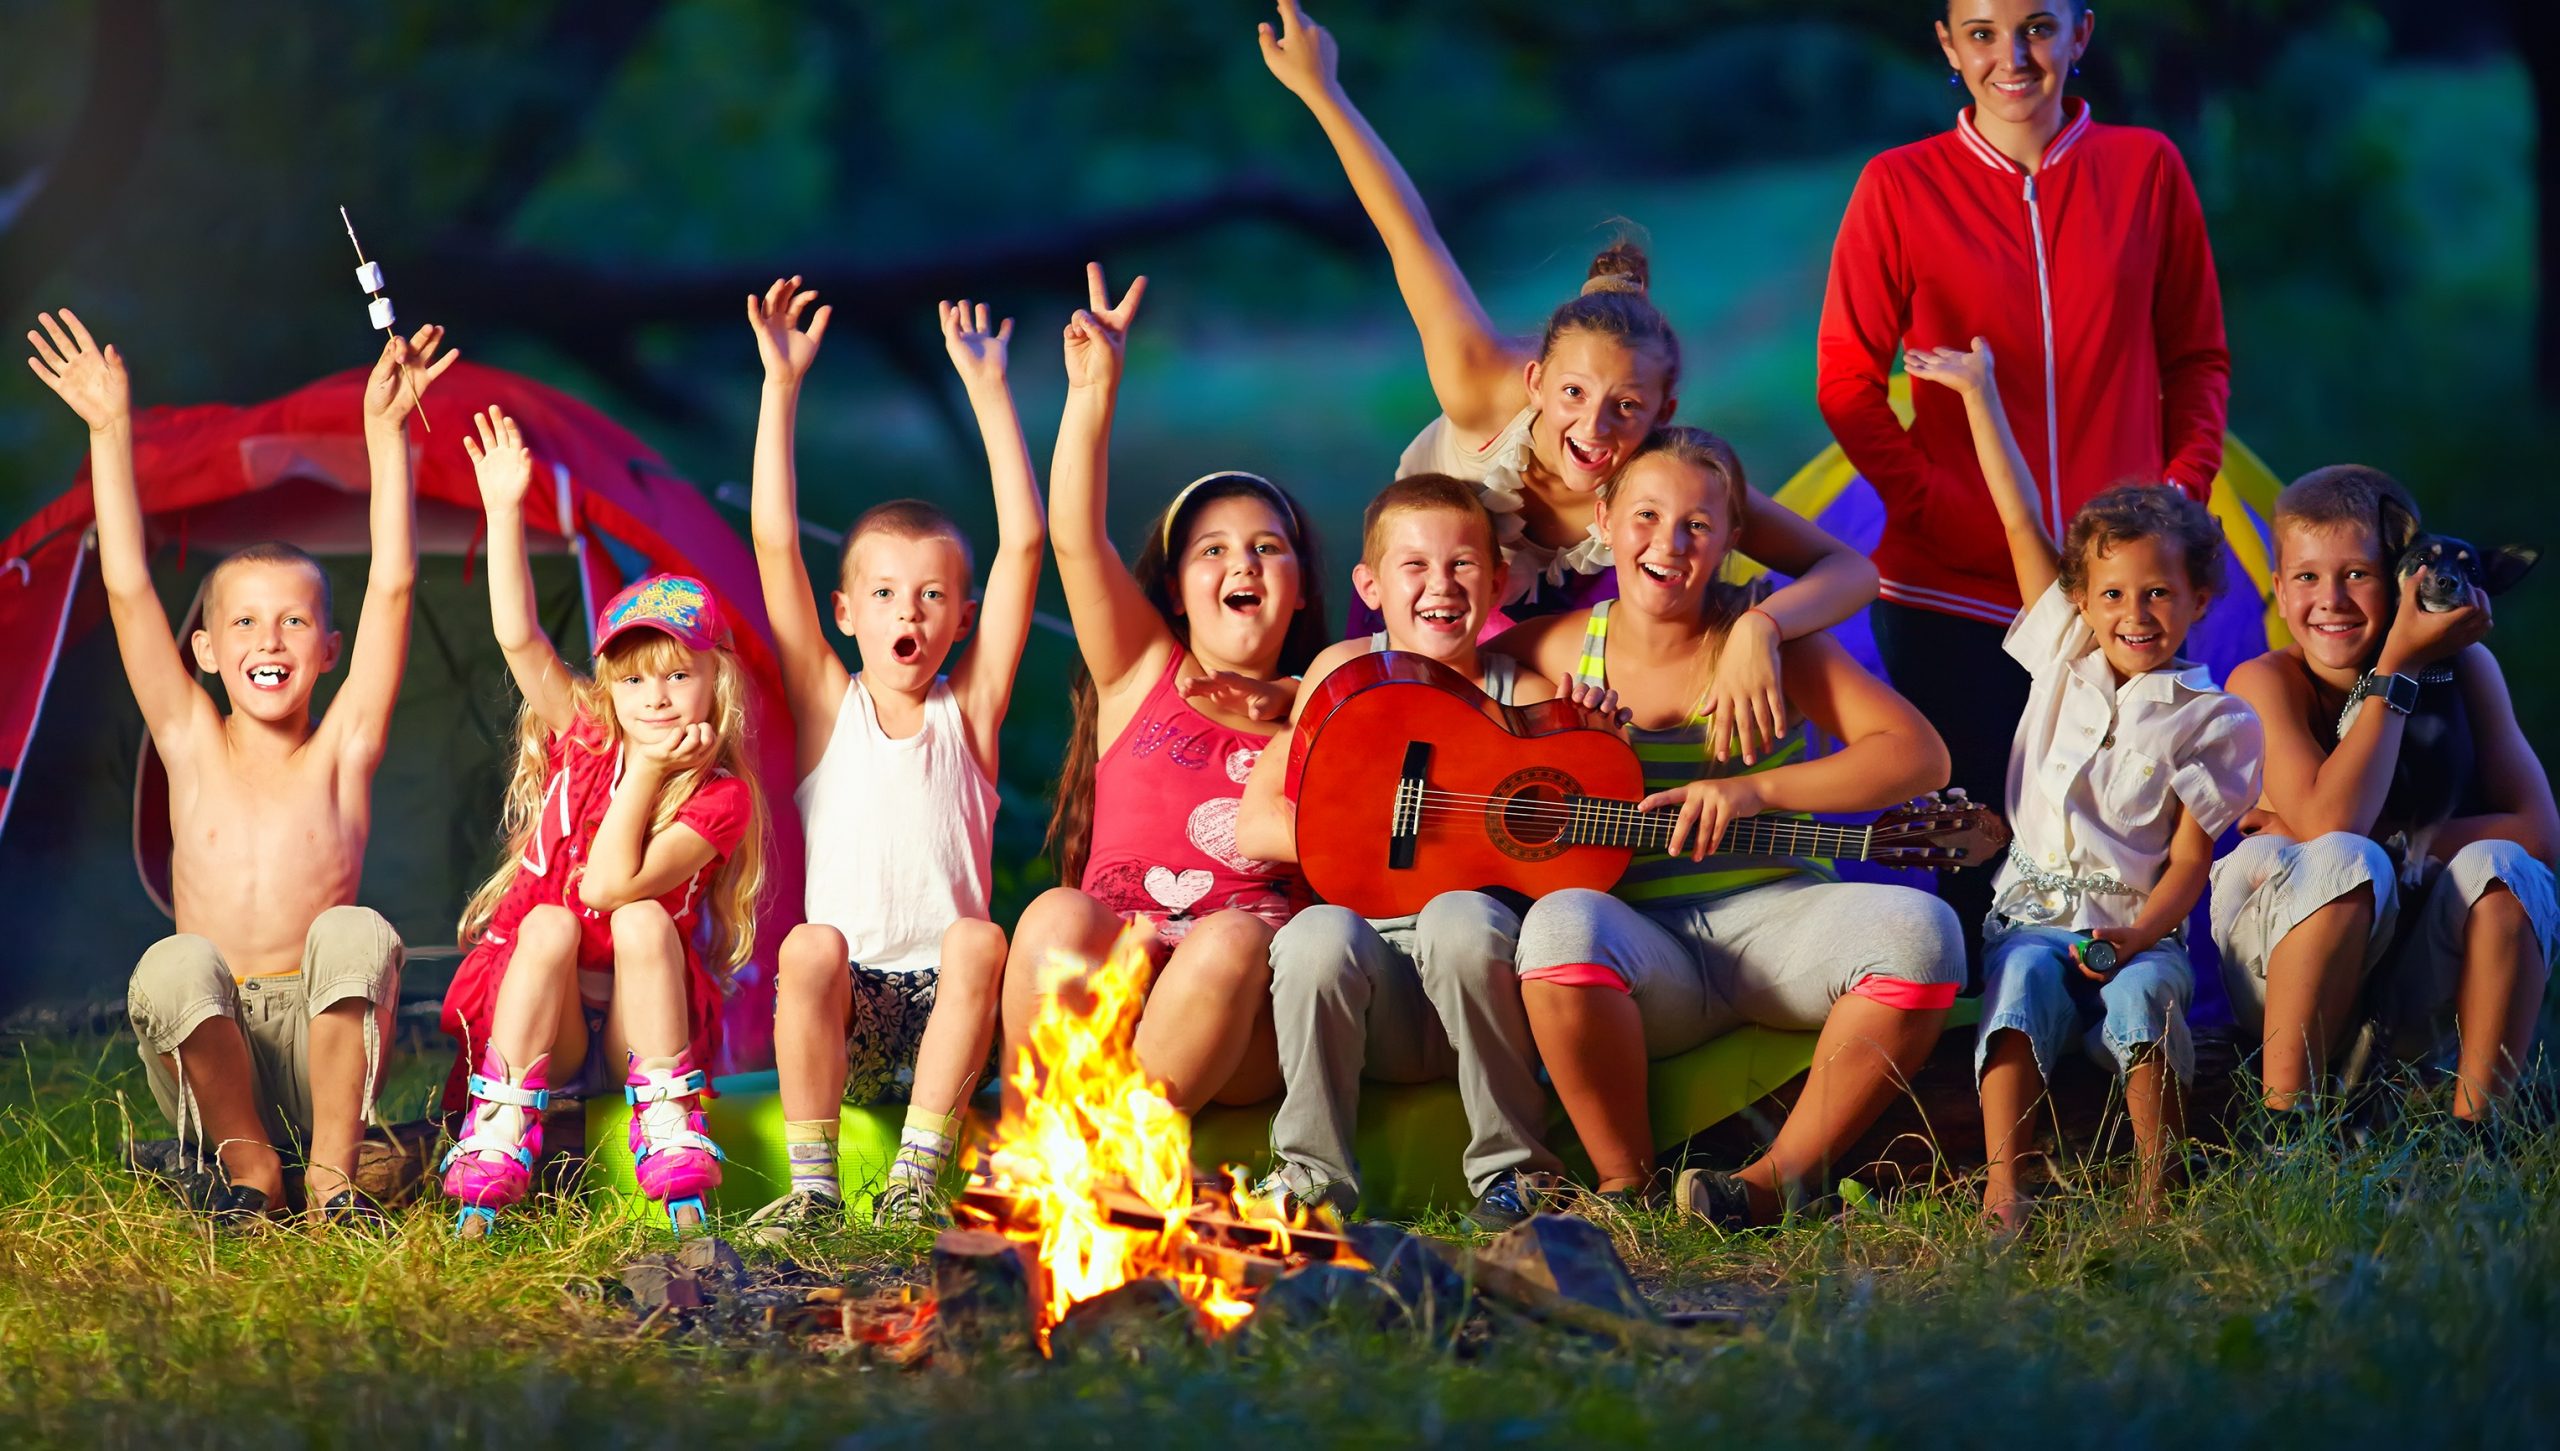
{"type": "Point", "coordinates": [2030, 986]}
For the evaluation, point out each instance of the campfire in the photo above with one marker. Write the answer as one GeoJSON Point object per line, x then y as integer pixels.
{"type": "Point", "coordinates": [1092, 1179]}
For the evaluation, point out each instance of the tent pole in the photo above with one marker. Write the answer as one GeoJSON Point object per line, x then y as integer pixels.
{"type": "Point", "coordinates": [577, 538]}
{"type": "Point", "coordinates": [52, 663]}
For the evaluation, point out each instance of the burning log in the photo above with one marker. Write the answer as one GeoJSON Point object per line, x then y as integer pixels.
{"type": "Point", "coordinates": [983, 1301]}
{"type": "Point", "coordinates": [1139, 1320]}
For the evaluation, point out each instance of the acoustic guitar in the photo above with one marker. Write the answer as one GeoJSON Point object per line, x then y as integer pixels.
{"type": "Point", "coordinates": [1411, 782]}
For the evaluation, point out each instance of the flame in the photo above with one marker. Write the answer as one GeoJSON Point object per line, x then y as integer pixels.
{"type": "Point", "coordinates": [1094, 1131]}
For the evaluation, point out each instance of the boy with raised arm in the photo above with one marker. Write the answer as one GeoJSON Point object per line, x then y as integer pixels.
{"type": "Point", "coordinates": [897, 964]}
{"type": "Point", "coordinates": [261, 1020]}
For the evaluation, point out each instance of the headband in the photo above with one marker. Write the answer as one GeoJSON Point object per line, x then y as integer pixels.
{"type": "Point", "coordinates": [1265, 487]}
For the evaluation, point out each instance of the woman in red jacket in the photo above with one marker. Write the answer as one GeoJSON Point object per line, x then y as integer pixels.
{"type": "Point", "coordinates": [2079, 251]}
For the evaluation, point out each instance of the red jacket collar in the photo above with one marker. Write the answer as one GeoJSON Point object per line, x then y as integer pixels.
{"type": "Point", "coordinates": [2074, 126]}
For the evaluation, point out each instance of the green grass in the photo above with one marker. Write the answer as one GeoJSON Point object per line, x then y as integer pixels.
{"type": "Point", "coordinates": [2401, 1295]}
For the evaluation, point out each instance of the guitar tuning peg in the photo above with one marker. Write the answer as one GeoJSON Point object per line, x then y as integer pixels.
{"type": "Point", "coordinates": [1956, 795]}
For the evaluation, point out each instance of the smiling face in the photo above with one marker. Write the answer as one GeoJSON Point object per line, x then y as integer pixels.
{"type": "Point", "coordinates": [1435, 577]}
{"type": "Point", "coordinates": [1597, 398]}
{"type": "Point", "coordinates": [2335, 592]}
{"type": "Point", "coordinates": [266, 634]}
{"type": "Point", "coordinates": [1237, 582]}
{"type": "Point", "coordinates": [2139, 602]}
{"type": "Point", "coordinates": [659, 686]}
{"type": "Point", "coordinates": [906, 603]}
{"type": "Point", "coordinates": [2016, 55]}
{"type": "Point", "coordinates": [1671, 523]}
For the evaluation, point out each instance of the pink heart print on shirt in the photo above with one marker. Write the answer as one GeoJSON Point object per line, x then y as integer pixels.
{"type": "Point", "coordinates": [1178, 891]}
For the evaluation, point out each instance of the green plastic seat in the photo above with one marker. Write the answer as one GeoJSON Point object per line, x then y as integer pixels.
{"type": "Point", "coordinates": [745, 1120]}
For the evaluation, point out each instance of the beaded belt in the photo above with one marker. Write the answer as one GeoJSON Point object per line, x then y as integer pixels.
{"type": "Point", "coordinates": [2035, 881]}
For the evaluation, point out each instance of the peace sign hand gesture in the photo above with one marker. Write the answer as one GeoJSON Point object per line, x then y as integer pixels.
{"type": "Point", "coordinates": [1301, 54]}
{"type": "Point", "coordinates": [1099, 331]}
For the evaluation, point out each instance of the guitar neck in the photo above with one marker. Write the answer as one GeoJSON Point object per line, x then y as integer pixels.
{"type": "Point", "coordinates": [1619, 823]}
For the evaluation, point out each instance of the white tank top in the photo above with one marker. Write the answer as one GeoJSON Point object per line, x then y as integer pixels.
{"type": "Point", "coordinates": [901, 833]}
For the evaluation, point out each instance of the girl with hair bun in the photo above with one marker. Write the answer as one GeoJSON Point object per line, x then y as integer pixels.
{"type": "Point", "coordinates": [1538, 428]}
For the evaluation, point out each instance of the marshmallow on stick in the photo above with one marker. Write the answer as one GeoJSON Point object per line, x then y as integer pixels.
{"type": "Point", "coordinates": [378, 307]}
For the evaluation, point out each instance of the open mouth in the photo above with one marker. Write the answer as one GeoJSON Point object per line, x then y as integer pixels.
{"type": "Point", "coordinates": [2139, 642]}
{"type": "Point", "coordinates": [1661, 577]}
{"type": "Point", "coordinates": [2335, 629]}
{"type": "Point", "coordinates": [2015, 88]}
{"type": "Point", "coordinates": [1442, 617]}
{"type": "Point", "coordinates": [269, 677]}
{"type": "Point", "coordinates": [907, 648]}
{"type": "Point", "coordinates": [1587, 457]}
{"type": "Point", "coordinates": [1243, 601]}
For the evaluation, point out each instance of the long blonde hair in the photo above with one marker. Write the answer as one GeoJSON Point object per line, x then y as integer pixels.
{"type": "Point", "coordinates": [740, 879]}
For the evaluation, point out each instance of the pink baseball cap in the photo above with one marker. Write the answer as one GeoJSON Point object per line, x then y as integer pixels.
{"type": "Point", "coordinates": [675, 604]}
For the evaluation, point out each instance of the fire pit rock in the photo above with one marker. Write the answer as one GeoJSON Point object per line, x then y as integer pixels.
{"type": "Point", "coordinates": [1140, 1321]}
{"type": "Point", "coordinates": [1315, 1296]}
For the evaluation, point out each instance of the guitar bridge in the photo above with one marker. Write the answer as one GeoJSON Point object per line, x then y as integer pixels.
{"type": "Point", "coordinates": [1407, 827]}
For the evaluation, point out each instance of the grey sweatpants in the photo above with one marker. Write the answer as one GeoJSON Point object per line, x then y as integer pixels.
{"type": "Point", "coordinates": [1402, 1000]}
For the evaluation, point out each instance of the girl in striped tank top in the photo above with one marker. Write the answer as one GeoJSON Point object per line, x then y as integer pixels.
{"type": "Point", "coordinates": [1688, 948]}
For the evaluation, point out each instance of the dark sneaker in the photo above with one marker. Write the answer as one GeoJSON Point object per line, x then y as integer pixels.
{"type": "Point", "coordinates": [197, 1180]}
{"type": "Point", "coordinates": [1719, 1198]}
{"type": "Point", "coordinates": [905, 1204]}
{"type": "Point", "coordinates": [348, 1209]}
{"type": "Point", "coordinates": [800, 1213]}
{"type": "Point", "coordinates": [1511, 1198]}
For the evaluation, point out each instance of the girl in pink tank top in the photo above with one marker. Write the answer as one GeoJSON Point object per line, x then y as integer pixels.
{"type": "Point", "coordinates": [1224, 585]}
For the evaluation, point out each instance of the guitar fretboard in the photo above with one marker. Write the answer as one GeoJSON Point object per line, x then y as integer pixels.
{"type": "Point", "coordinates": [1596, 822]}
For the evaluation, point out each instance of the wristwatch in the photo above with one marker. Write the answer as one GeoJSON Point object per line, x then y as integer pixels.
{"type": "Point", "coordinates": [2400, 692]}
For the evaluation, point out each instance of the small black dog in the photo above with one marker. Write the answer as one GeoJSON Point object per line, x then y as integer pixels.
{"type": "Point", "coordinates": [2453, 566]}
{"type": "Point", "coordinates": [2437, 774]}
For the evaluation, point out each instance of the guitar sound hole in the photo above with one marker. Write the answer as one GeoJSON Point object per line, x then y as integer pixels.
{"type": "Point", "coordinates": [1529, 815]}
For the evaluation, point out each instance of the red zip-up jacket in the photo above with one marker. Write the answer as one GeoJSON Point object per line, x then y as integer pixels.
{"type": "Point", "coordinates": [2092, 278]}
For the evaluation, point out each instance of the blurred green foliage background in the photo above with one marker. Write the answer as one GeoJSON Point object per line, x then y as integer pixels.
{"type": "Point", "coordinates": [587, 193]}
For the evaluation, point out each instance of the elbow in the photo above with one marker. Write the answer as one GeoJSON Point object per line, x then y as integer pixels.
{"type": "Point", "coordinates": [600, 893]}
{"type": "Point", "coordinates": [1933, 770]}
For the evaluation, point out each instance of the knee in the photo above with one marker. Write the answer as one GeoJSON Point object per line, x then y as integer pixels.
{"type": "Point", "coordinates": [1565, 927]}
{"type": "Point", "coordinates": [973, 954]}
{"type": "Point", "coordinates": [548, 934]}
{"type": "Point", "coordinates": [1467, 927]}
{"type": "Point", "coordinates": [178, 970]}
{"type": "Point", "coordinates": [1315, 950]}
{"type": "Point", "coordinates": [1232, 948]}
{"type": "Point", "coordinates": [1912, 937]}
{"type": "Point", "coordinates": [641, 924]}
{"type": "Point", "coordinates": [2352, 869]}
{"type": "Point", "coordinates": [1060, 912]}
{"type": "Point", "coordinates": [350, 954]}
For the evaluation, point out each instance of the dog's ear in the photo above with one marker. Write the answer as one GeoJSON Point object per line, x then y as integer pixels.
{"type": "Point", "coordinates": [2502, 568]}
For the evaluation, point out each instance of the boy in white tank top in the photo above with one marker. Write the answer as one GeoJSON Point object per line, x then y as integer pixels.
{"type": "Point", "coordinates": [897, 964]}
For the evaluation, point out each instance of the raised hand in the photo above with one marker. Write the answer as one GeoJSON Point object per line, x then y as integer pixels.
{"type": "Point", "coordinates": [501, 461]}
{"type": "Point", "coordinates": [2420, 638]}
{"type": "Point", "coordinates": [1099, 332]}
{"type": "Point", "coordinates": [680, 751]}
{"type": "Point", "coordinates": [1967, 372]}
{"type": "Point", "coordinates": [81, 373]}
{"type": "Point", "coordinates": [1300, 53]}
{"type": "Point", "coordinates": [976, 352]}
{"type": "Point", "coordinates": [786, 348]}
{"type": "Point", "coordinates": [405, 363]}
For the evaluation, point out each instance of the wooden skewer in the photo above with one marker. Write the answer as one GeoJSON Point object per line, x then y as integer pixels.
{"type": "Point", "coordinates": [417, 400]}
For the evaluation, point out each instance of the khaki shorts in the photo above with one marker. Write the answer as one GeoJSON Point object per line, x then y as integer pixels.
{"type": "Point", "coordinates": [350, 952]}
{"type": "Point", "coordinates": [2413, 970]}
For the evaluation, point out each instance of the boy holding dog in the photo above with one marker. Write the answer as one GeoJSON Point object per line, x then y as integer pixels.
{"type": "Point", "coordinates": [2394, 895]}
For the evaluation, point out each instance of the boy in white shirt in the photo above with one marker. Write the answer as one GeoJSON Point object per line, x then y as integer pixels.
{"type": "Point", "coordinates": [897, 962]}
{"type": "Point", "coordinates": [2126, 766]}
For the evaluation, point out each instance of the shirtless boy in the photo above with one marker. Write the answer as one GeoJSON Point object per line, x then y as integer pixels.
{"type": "Point", "coordinates": [261, 1019]}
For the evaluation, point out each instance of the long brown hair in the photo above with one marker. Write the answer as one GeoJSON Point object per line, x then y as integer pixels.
{"type": "Point", "coordinates": [740, 879]}
{"type": "Point", "coordinates": [1071, 818]}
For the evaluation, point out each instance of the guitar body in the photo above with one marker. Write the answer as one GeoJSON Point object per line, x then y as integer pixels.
{"type": "Point", "coordinates": [1411, 782]}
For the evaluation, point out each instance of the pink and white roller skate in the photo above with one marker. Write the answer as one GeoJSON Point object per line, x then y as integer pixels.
{"type": "Point", "coordinates": [671, 1155]}
{"type": "Point", "coordinates": [492, 1166]}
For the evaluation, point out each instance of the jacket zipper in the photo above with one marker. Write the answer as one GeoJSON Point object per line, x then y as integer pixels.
{"type": "Point", "coordinates": [2052, 392]}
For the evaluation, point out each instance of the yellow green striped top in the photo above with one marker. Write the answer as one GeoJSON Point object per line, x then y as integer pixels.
{"type": "Point", "coordinates": [1674, 758]}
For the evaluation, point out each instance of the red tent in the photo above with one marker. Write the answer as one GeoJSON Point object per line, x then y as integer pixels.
{"type": "Point", "coordinates": [216, 477]}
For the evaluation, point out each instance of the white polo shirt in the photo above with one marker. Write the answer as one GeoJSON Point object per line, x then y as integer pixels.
{"type": "Point", "coordinates": [2095, 767]}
